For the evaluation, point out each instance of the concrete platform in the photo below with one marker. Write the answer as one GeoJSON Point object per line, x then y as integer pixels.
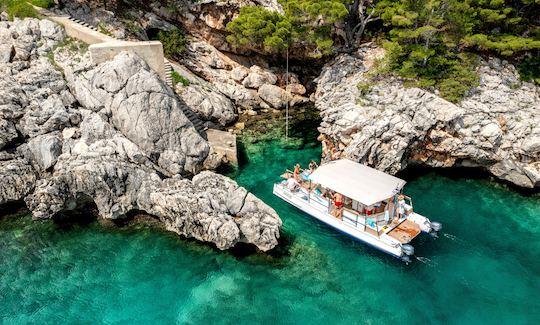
{"type": "Point", "coordinates": [150, 51]}
{"type": "Point", "coordinates": [224, 143]}
{"type": "Point", "coordinates": [76, 30]}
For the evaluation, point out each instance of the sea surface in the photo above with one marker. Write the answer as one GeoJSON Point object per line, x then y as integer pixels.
{"type": "Point", "coordinates": [484, 268]}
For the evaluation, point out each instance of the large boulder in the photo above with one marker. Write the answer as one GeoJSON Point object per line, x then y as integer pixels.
{"type": "Point", "coordinates": [18, 180]}
{"type": "Point", "coordinates": [8, 133]}
{"type": "Point", "coordinates": [388, 126]}
{"type": "Point", "coordinates": [46, 149]}
{"type": "Point", "coordinates": [208, 103]}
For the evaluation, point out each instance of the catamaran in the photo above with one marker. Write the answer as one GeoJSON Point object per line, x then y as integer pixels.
{"type": "Point", "coordinates": [367, 204]}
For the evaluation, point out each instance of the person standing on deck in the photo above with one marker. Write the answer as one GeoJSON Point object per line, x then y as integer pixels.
{"type": "Point", "coordinates": [296, 173]}
{"type": "Point", "coordinates": [401, 205]}
{"type": "Point", "coordinates": [338, 205]}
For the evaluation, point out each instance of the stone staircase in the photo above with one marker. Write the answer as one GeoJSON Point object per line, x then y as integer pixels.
{"type": "Point", "coordinates": [85, 24]}
{"type": "Point", "coordinates": [193, 117]}
{"type": "Point", "coordinates": [168, 73]}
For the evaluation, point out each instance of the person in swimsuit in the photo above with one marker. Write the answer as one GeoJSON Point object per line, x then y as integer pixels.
{"type": "Point", "coordinates": [296, 173]}
{"type": "Point", "coordinates": [338, 204]}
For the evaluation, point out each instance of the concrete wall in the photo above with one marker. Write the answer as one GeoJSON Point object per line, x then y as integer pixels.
{"type": "Point", "coordinates": [151, 52]}
{"type": "Point", "coordinates": [104, 47]}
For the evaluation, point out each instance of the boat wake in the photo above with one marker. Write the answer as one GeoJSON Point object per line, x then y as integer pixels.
{"type": "Point", "coordinates": [427, 261]}
{"type": "Point", "coordinates": [454, 238]}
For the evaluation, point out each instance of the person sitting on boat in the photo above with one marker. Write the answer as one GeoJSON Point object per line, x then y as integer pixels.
{"type": "Point", "coordinates": [312, 166]}
{"type": "Point", "coordinates": [338, 205]}
{"type": "Point", "coordinates": [292, 184]}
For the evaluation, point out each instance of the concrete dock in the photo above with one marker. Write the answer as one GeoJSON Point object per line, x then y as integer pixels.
{"type": "Point", "coordinates": [224, 143]}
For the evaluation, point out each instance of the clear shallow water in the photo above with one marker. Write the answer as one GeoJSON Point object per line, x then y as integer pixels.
{"type": "Point", "coordinates": [485, 268]}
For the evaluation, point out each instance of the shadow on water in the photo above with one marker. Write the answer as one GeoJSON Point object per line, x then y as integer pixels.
{"type": "Point", "coordinates": [13, 208]}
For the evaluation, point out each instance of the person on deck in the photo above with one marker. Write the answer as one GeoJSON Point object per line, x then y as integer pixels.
{"type": "Point", "coordinates": [338, 205]}
{"type": "Point", "coordinates": [292, 184]}
{"type": "Point", "coordinates": [312, 166]}
{"type": "Point", "coordinates": [401, 205]}
{"type": "Point", "coordinates": [296, 173]}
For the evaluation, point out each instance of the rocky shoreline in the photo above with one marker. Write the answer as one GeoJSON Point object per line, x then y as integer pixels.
{"type": "Point", "coordinates": [114, 134]}
{"type": "Point", "coordinates": [380, 122]}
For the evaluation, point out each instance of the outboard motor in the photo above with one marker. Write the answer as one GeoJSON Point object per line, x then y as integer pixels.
{"type": "Point", "coordinates": [435, 228]}
{"type": "Point", "coordinates": [408, 249]}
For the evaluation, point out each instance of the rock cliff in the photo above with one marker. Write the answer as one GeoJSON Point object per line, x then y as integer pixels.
{"type": "Point", "coordinates": [381, 123]}
{"type": "Point", "coordinates": [224, 81]}
{"type": "Point", "coordinates": [112, 134]}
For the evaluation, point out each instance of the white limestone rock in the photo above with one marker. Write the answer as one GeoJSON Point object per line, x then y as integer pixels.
{"type": "Point", "coordinates": [388, 126]}
{"type": "Point", "coordinates": [114, 143]}
{"type": "Point", "coordinates": [18, 180]}
{"type": "Point", "coordinates": [144, 110]}
{"type": "Point", "coordinates": [45, 150]}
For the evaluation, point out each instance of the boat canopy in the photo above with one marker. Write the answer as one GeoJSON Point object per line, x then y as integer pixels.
{"type": "Point", "coordinates": [356, 181]}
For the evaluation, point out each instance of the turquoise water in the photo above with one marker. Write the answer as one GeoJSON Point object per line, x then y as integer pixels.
{"type": "Point", "coordinates": [485, 268]}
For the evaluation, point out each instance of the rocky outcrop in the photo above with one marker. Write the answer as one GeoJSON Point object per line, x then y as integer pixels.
{"type": "Point", "coordinates": [18, 180]}
{"type": "Point", "coordinates": [204, 99]}
{"type": "Point", "coordinates": [144, 110]}
{"type": "Point", "coordinates": [383, 124]}
{"type": "Point", "coordinates": [250, 86]}
{"type": "Point", "coordinates": [115, 135]}
{"type": "Point", "coordinates": [231, 82]}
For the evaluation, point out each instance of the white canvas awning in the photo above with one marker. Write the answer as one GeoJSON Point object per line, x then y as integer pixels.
{"type": "Point", "coordinates": [356, 181]}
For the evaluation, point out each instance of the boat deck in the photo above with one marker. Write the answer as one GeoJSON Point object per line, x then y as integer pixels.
{"type": "Point", "coordinates": [405, 231]}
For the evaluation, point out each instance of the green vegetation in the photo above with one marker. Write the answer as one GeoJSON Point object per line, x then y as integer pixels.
{"type": "Point", "coordinates": [529, 68]}
{"type": "Point", "coordinates": [42, 3]}
{"type": "Point", "coordinates": [422, 46]}
{"type": "Point", "coordinates": [179, 79]}
{"type": "Point", "coordinates": [427, 39]}
{"type": "Point", "coordinates": [434, 44]}
{"type": "Point", "coordinates": [103, 29]}
{"type": "Point", "coordinates": [72, 45]}
{"type": "Point", "coordinates": [18, 8]}
{"type": "Point", "coordinates": [308, 22]}
{"type": "Point", "coordinates": [174, 42]}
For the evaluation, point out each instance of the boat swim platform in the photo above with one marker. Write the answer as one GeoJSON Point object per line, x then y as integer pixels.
{"type": "Point", "coordinates": [405, 232]}
{"type": "Point", "coordinates": [223, 143]}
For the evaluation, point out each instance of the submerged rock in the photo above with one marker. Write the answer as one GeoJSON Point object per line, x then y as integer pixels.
{"type": "Point", "coordinates": [381, 123]}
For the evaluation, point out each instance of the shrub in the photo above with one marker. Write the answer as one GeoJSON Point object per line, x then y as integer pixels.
{"type": "Point", "coordinates": [18, 8]}
{"type": "Point", "coordinates": [103, 29]}
{"type": "Point", "coordinates": [174, 42]}
{"type": "Point", "coordinates": [178, 78]}
{"type": "Point", "coordinates": [42, 3]}
{"type": "Point", "coordinates": [529, 68]}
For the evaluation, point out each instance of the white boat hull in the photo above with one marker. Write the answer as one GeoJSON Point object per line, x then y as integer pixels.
{"type": "Point", "coordinates": [384, 242]}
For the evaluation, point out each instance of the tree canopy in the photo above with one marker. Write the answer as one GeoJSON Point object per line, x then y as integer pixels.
{"type": "Point", "coordinates": [308, 22]}
{"type": "Point", "coordinates": [431, 43]}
